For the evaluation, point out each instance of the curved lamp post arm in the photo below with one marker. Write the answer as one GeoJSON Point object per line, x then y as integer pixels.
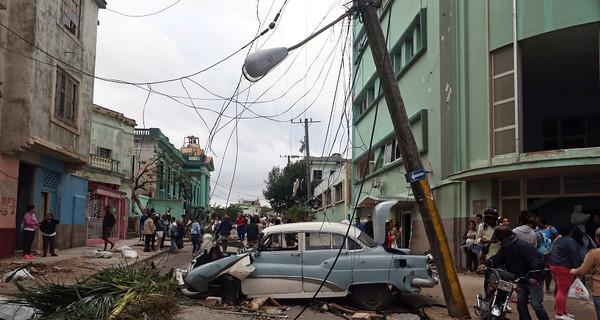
{"type": "Point", "coordinates": [258, 64]}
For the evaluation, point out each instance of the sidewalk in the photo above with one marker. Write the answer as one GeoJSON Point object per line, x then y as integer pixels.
{"type": "Point", "coordinates": [79, 252]}
{"type": "Point", "coordinates": [431, 301]}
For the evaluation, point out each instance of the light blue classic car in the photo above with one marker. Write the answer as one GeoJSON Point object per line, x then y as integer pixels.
{"type": "Point", "coordinates": [301, 260]}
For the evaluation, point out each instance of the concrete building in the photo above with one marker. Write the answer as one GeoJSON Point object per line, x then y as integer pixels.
{"type": "Point", "coordinates": [334, 194]}
{"type": "Point", "coordinates": [46, 70]}
{"type": "Point", "coordinates": [109, 172]}
{"type": "Point", "coordinates": [505, 110]}
{"type": "Point", "coordinates": [173, 180]}
{"type": "Point", "coordinates": [250, 207]}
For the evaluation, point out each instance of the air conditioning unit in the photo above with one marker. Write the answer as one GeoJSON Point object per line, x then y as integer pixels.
{"type": "Point", "coordinates": [376, 183]}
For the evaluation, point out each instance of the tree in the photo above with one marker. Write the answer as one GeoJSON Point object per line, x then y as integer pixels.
{"type": "Point", "coordinates": [297, 213]}
{"type": "Point", "coordinates": [150, 176]}
{"type": "Point", "coordinates": [280, 185]}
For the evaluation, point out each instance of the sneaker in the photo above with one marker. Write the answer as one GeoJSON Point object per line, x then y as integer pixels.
{"type": "Point", "coordinates": [508, 308]}
{"type": "Point", "coordinates": [570, 315]}
{"type": "Point", "coordinates": [44, 255]}
{"type": "Point", "coordinates": [562, 317]}
{"type": "Point", "coordinates": [54, 255]}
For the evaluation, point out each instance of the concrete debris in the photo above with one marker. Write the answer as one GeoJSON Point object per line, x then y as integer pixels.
{"type": "Point", "coordinates": [17, 274]}
{"type": "Point", "coordinates": [100, 254]}
{"type": "Point", "coordinates": [11, 311]}
{"type": "Point", "coordinates": [403, 316]}
{"type": "Point", "coordinates": [129, 254]}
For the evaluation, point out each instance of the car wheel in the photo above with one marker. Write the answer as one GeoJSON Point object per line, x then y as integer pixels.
{"type": "Point", "coordinates": [372, 296]}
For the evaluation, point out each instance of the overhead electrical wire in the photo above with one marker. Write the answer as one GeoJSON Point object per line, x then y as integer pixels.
{"type": "Point", "coordinates": [143, 15]}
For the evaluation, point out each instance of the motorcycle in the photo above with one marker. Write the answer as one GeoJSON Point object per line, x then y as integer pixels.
{"type": "Point", "coordinates": [502, 284]}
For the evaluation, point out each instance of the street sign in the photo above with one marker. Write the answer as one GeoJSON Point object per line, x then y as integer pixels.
{"type": "Point", "coordinates": [417, 175]}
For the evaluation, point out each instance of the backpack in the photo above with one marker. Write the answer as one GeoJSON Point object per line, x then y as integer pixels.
{"type": "Point", "coordinates": [544, 244]}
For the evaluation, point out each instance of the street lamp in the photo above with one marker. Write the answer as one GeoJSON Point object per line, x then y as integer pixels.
{"type": "Point", "coordinates": [455, 300]}
{"type": "Point", "coordinates": [259, 63]}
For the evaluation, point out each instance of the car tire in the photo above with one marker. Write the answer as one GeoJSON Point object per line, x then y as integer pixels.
{"type": "Point", "coordinates": [372, 297]}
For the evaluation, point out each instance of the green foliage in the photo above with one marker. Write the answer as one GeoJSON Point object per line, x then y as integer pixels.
{"type": "Point", "coordinates": [127, 292]}
{"type": "Point", "coordinates": [298, 213]}
{"type": "Point", "coordinates": [280, 184]}
{"type": "Point", "coordinates": [233, 211]}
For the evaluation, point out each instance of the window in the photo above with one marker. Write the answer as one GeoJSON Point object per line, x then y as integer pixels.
{"type": "Point", "coordinates": [364, 167]}
{"type": "Point", "coordinates": [159, 175]}
{"type": "Point", "coordinates": [71, 16]}
{"type": "Point", "coordinates": [391, 152]}
{"type": "Point", "coordinates": [103, 152]}
{"type": "Point", "coordinates": [339, 195]}
{"type": "Point", "coordinates": [328, 241]}
{"type": "Point", "coordinates": [278, 242]}
{"type": "Point", "coordinates": [65, 100]}
{"type": "Point", "coordinates": [327, 197]}
{"type": "Point", "coordinates": [363, 106]}
{"type": "Point", "coordinates": [318, 174]}
{"type": "Point", "coordinates": [503, 102]}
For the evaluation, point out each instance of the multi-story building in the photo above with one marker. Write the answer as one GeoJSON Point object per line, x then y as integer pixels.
{"type": "Point", "coordinates": [109, 172]}
{"type": "Point", "coordinates": [46, 82]}
{"type": "Point", "coordinates": [169, 179]}
{"type": "Point", "coordinates": [503, 98]}
{"type": "Point", "coordinates": [333, 195]}
{"type": "Point", "coordinates": [250, 207]}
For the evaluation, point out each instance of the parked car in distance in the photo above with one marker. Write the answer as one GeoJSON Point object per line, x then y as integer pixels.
{"type": "Point", "coordinates": [293, 260]}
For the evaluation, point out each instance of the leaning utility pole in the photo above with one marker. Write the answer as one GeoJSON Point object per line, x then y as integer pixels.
{"type": "Point", "coordinates": [455, 299]}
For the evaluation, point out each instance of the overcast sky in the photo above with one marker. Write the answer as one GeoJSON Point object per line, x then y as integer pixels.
{"type": "Point", "coordinates": [185, 41]}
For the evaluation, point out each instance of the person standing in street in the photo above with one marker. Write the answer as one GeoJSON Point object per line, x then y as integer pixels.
{"type": "Point", "coordinates": [148, 233]}
{"type": "Point", "coordinates": [48, 228]}
{"type": "Point", "coordinates": [520, 258]}
{"type": "Point", "coordinates": [224, 231]}
{"type": "Point", "coordinates": [591, 263]}
{"type": "Point", "coordinates": [564, 256]}
{"type": "Point", "coordinates": [107, 225]}
{"type": "Point", "coordinates": [252, 231]}
{"type": "Point", "coordinates": [524, 231]}
{"type": "Point", "coordinates": [241, 227]}
{"type": "Point", "coordinates": [173, 235]}
{"type": "Point", "coordinates": [195, 233]}
{"type": "Point", "coordinates": [30, 225]}
{"type": "Point", "coordinates": [359, 225]}
{"type": "Point", "coordinates": [369, 226]}
{"type": "Point", "coordinates": [489, 247]}
{"type": "Point", "coordinates": [468, 246]}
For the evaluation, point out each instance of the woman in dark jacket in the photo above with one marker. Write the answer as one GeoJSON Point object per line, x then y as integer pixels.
{"type": "Point", "coordinates": [563, 258]}
{"type": "Point", "coordinates": [48, 228]}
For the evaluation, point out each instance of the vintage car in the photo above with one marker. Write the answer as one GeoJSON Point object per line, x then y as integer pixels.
{"type": "Point", "coordinates": [310, 259]}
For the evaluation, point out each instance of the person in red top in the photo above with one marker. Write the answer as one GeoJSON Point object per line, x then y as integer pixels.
{"type": "Point", "coordinates": [241, 227]}
{"type": "Point", "coordinates": [30, 225]}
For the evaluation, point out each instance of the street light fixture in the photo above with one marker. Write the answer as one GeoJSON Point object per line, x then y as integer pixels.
{"type": "Point", "coordinates": [259, 63]}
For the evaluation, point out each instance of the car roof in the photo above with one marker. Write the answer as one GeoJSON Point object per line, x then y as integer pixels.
{"type": "Point", "coordinates": [313, 227]}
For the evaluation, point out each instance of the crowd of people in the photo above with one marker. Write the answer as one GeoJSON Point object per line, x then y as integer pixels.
{"type": "Point", "coordinates": [538, 251]}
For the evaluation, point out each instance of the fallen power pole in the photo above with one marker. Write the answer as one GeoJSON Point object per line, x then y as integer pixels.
{"type": "Point", "coordinates": [455, 299]}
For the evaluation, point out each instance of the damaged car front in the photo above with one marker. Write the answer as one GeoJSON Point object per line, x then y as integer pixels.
{"type": "Point", "coordinates": [303, 260]}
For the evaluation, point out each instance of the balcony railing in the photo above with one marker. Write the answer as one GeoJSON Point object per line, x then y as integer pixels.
{"type": "Point", "coordinates": [99, 162]}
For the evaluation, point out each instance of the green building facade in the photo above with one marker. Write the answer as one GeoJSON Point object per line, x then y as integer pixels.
{"type": "Point", "coordinates": [513, 127]}
{"type": "Point", "coordinates": [178, 180]}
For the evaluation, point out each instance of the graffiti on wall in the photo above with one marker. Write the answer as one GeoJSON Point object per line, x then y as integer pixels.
{"type": "Point", "coordinates": [8, 210]}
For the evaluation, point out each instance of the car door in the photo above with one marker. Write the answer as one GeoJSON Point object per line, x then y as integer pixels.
{"type": "Point", "coordinates": [318, 256]}
{"type": "Point", "coordinates": [278, 266]}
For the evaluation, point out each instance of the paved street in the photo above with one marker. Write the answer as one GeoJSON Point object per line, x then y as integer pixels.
{"type": "Point", "coordinates": [431, 300]}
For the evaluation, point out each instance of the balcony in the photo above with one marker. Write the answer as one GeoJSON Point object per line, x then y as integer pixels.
{"type": "Point", "coordinates": [107, 164]}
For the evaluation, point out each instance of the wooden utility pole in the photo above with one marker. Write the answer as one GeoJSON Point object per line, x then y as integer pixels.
{"type": "Point", "coordinates": [307, 159]}
{"type": "Point", "coordinates": [455, 299]}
